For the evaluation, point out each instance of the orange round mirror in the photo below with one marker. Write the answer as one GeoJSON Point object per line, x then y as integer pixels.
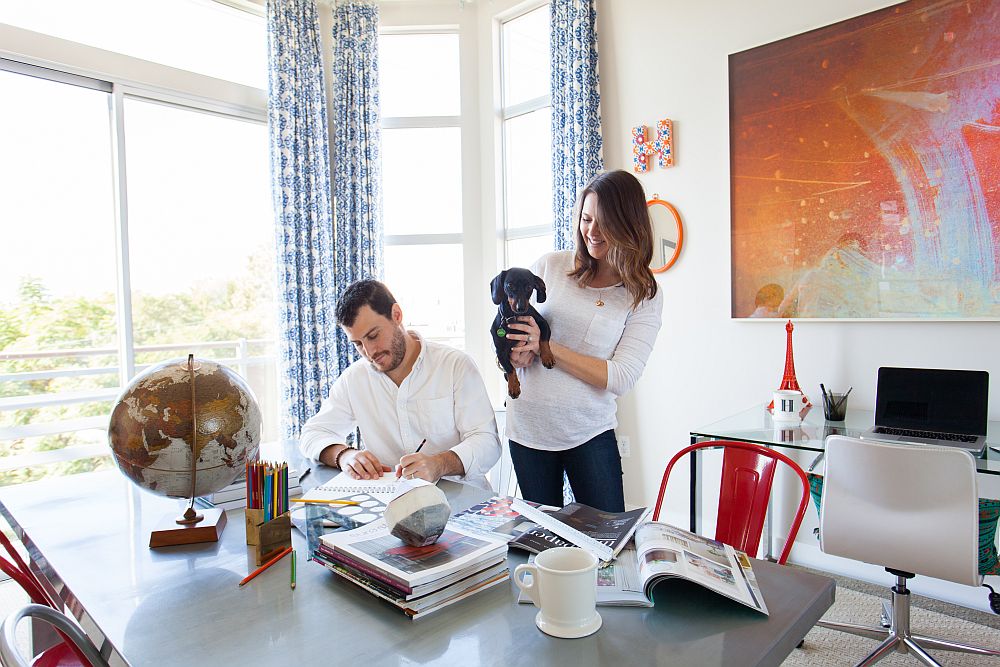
{"type": "Point", "coordinates": [668, 234]}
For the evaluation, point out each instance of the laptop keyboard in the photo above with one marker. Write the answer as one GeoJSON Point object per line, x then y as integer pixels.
{"type": "Point", "coordinates": [909, 433]}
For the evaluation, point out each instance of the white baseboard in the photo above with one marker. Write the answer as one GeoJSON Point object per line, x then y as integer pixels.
{"type": "Point", "coordinates": [970, 597]}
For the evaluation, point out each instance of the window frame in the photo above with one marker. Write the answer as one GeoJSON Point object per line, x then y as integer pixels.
{"type": "Point", "coordinates": [505, 113]}
{"type": "Point", "coordinates": [421, 123]}
{"type": "Point", "coordinates": [61, 61]}
{"type": "Point", "coordinates": [432, 18]}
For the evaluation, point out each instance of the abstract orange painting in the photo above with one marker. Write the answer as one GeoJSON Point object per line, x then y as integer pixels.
{"type": "Point", "coordinates": [865, 167]}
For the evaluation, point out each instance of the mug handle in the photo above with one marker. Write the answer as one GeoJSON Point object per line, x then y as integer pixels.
{"type": "Point", "coordinates": [529, 589]}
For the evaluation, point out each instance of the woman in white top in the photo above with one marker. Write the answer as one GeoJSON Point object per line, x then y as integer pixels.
{"type": "Point", "coordinates": [604, 309]}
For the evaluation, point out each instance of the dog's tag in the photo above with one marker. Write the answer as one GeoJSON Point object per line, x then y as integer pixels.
{"type": "Point", "coordinates": [501, 332]}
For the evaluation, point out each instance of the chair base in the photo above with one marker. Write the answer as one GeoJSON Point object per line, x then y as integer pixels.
{"type": "Point", "coordinates": [897, 638]}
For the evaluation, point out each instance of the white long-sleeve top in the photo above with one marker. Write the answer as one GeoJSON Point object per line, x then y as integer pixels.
{"type": "Point", "coordinates": [557, 411]}
{"type": "Point", "coordinates": [443, 399]}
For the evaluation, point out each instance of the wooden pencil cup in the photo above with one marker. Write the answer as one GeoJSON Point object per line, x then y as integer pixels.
{"type": "Point", "coordinates": [267, 538]}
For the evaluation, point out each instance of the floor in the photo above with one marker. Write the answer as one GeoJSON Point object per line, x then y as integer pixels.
{"type": "Point", "coordinates": [12, 598]}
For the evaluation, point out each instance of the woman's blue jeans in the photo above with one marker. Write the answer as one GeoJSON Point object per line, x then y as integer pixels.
{"type": "Point", "coordinates": [594, 470]}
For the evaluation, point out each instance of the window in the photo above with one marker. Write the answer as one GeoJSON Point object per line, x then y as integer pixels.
{"type": "Point", "coordinates": [525, 115]}
{"type": "Point", "coordinates": [81, 312]}
{"type": "Point", "coordinates": [182, 33]}
{"type": "Point", "coordinates": [422, 180]}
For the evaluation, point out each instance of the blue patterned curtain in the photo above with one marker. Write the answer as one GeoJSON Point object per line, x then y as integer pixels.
{"type": "Point", "coordinates": [576, 115]}
{"type": "Point", "coordinates": [357, 143]}
{"type": "Point", "coordinates": [300, 186]}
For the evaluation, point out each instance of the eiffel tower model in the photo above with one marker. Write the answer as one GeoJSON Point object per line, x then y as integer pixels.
{"type": "Point", "coordinates": [788, 380]}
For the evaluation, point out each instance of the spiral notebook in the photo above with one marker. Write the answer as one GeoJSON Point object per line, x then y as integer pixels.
{"type": "Point", "coordinates": [371, 496]}
{"type": "Point", "coordinates": [344, 484]}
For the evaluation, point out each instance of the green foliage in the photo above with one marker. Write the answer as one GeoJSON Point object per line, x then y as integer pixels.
{"type": "Point", "coordinates": [39, 321]}
{"type": "Point", "coordinates": [10, 329]}
{"type": "Point", "coordinates": [33, 474]}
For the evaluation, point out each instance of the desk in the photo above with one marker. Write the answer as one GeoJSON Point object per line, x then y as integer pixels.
{"type": "Point", "coordinates": [181, 605]}
{"type": "Point", "coordinates": [756, 425]}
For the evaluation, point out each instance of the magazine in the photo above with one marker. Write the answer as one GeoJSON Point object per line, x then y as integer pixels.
{"type": "Point", "coordinates": [496, 518]}
{"type": "Point", "coordinates": [534, 527]}
{"type": "Point", "coordinates": [604, 534]}
{"type": "Point", "coordinates": [374, 547]}
{"type": "Point", "coordinates": [662, 552]}
{"type": "Point", "coordinates": [416, 606]}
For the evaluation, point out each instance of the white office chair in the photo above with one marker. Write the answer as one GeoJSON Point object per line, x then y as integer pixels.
{"type": "Point", "coordinates": [913, 509]}
{"type": "Point", "coordinates": [502, 476]}
{"type": "Point", "coordinates": [11, 657]}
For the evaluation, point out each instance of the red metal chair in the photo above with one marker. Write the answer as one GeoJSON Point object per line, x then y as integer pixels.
{"type": "Point", "coordinates": [63, 654]}
{"type": "Point", "coordinates": [747, 476]}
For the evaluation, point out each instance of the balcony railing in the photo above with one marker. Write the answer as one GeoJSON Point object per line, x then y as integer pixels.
{"type": "Point", "coordinates": [239, 360]}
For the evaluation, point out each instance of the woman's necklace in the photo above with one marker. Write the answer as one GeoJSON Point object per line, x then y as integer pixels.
{"type": "Point", "coordinates": [600, 295]}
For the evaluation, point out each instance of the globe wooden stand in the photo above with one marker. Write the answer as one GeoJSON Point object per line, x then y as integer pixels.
{"type": "Point", "coordinates": [171, 531]}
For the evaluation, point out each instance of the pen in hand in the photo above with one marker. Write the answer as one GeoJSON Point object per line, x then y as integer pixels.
{"type": "Point", "coordinates": [399, 468]}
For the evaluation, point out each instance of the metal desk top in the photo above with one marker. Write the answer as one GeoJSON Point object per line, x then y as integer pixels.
{"type": "Point", "coordinates": [181, 605]}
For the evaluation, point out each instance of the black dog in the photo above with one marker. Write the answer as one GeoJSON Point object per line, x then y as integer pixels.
{"type": "Point", "coordinates": [512, 292]}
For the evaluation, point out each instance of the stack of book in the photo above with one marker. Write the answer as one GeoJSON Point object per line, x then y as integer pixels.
{"type": "Point", "coordinates": [234, 496]}
{"type": "Point", "coordinates": [417, 580]}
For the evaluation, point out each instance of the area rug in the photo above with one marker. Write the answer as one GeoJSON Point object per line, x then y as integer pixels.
{"type": "Point", "coordinates": [824, 647]}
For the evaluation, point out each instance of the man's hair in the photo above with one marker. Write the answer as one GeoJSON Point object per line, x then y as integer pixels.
{"type": "Point", "coordinates": [364, 292]}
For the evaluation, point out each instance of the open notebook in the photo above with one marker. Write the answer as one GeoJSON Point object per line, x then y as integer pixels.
{"type": "Point", "coordinates": [372, 496]}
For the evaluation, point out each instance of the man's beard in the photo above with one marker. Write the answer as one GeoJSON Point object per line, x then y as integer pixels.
{"type": "Point", "coordinates": [397, 350]}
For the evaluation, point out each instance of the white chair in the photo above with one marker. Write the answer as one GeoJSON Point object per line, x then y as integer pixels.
{"type": "Point", "coordinates": [913, 509]}
{"type": "Point", "coordinates": [502, 476]}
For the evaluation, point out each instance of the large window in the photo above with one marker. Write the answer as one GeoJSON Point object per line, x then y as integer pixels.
{"type": "Point", "coordinates": [137, 227]}
{"type": "Point", "coordinates": [525, 115]}
{"type": "Point", "coordinates": [422, 180]}
{"type": "Point", "coordinates": [202, 36]}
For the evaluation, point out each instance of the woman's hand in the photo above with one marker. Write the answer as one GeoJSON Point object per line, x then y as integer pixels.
{"type": "Point", "coordinates": [527, 332]}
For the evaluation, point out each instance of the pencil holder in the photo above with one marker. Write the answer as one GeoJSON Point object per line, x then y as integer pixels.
{"type": "Point", "coordinates": [267, 538]}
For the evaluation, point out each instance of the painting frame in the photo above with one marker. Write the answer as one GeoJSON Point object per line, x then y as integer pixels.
{"type": "Point", "coordinates": [863, 162]}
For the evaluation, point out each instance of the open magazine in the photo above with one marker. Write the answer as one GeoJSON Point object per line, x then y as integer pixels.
{"type": "Point", "coordinates": [661, 552]}
{"type": "Point", "coordinates": [535, 527]}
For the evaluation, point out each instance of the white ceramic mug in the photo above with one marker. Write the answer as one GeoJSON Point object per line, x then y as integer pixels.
{"type": "Point", "coordinates": [564, 588]}
{"type": "Point", "coordinates": [787, 404]}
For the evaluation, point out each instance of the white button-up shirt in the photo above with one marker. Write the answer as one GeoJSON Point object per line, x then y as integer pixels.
{"type": "Point", "coordinates": [442, 400]}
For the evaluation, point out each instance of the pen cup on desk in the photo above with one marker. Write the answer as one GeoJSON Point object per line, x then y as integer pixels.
{"type": "Point", "coordinates": [267, 538]}
{"type": "Point", "coordinates": [834, 405]}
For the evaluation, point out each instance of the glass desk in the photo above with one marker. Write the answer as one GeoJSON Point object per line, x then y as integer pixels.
{"type": "Point", "coordinates": [756, 425]}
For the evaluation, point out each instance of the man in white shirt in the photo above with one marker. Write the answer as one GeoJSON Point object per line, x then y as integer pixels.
{"type": "Point", "coordinates": [405, 394]}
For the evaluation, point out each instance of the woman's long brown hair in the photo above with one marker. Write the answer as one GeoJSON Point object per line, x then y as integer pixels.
{"type": "Point", "coordinates": [623, 219]}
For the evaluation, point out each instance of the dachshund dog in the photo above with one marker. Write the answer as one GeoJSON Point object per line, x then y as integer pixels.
{"type": "Point", "coordinates": [512, 292]}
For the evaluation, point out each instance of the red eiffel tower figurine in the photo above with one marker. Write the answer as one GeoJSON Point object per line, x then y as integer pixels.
{"type": "Point", "coordinates": [788, 380]}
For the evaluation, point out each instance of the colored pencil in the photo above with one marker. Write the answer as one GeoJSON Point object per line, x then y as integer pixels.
{"type": "Point", "coordinates": [284, 552]}
{"type": "Point", "coordinates": [319, 501]}
{"type": "Point", "coordinates": [293, 569]}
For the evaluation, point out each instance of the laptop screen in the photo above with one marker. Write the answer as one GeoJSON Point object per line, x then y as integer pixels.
{"type": "Point", "coordinates": [948, 401]}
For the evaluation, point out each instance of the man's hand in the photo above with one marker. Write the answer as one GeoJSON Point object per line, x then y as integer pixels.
{"type": "Point", "coordinates": [362, 464]}
{"type": "Point", "coordinates": [430, 467]}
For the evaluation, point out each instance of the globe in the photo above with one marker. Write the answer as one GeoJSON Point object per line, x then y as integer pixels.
{"type": "Point", "coordinates": [185, 428]}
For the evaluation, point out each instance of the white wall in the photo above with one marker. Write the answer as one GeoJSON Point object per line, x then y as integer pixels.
{"type": "Point", "coordinates": [669, 60]}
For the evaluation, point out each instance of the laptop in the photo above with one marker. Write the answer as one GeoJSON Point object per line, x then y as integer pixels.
{"type": "Point", "coordinates": [931, 406]}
